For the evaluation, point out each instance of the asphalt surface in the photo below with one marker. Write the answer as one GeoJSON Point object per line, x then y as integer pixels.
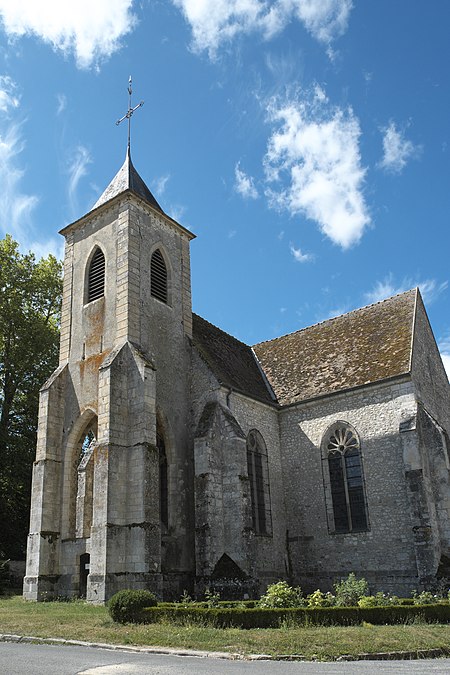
{"type": "Point", "coordinates": [44, 659]}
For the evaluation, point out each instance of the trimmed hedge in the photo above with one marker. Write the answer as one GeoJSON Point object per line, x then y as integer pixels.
{"type": "Point", "coordinates": [222, 617]}
{"type": "Point", "coordinates": [126, 606]}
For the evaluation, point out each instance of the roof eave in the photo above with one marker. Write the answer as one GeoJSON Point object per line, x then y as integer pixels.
{"type": "Point", "coordinates": [76, 223]}
{"type": "Point", "coordinates": [399, 376]}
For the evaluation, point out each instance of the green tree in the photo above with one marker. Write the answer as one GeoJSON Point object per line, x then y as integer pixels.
{"type": "Point", "coordinates": [30, 305]}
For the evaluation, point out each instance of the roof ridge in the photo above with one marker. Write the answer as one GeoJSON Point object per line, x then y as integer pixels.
{"type": "Point", "coordinates": [334, 318]}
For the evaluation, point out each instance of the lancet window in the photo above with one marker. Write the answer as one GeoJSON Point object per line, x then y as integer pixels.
{"type": "Point", "coordinates": [258, 475]}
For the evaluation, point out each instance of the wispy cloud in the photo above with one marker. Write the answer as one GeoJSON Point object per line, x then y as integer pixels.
{"type": "Point", "coordinates": [217, 22]}
{"type": "Point", "coordinates": [92, 31]}
{"type": "Point", "coordinates": [9, 98]}
{"type": "Point", "coordinates": [313, 165]}
{"type": "Point", "coordinates": [397, 150]}
{"type": "Point", "coordinates": [244, 184]}
{"type": "Point", "coordinates": [299, 255]}
{"type": "Point", "coordinates": [160, 184]}
{"type": "Point", "coordinates": [77, 168]}
{"type": "Point", "coordinates": [429, 288]}
{"type": "Point", "coordinates": [15, 206]}
{"type": "Point", "coordinates": [444, 348]}
{"type": "Point", "coordinates": [61, 100]}
{"type": "Point", "coordinates": [334, 312]}
{"type": "Point", "coordinates": [42, 249]}
{"type": "Point", "coordinates": [177, 211]}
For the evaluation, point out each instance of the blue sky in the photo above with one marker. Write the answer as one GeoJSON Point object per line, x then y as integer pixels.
{"type": "Point", "coordinates": [305, 142]}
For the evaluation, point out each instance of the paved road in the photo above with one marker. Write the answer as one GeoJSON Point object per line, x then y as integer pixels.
{"type": "Point", "coordinates": [18, 659]}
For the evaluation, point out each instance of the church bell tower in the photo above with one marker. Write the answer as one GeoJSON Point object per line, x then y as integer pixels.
{"type": "Point", "coordinates": [112, 477]}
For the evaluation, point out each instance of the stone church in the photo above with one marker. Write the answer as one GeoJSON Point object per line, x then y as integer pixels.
{"type": "Point", "coordinates": [172, 456]}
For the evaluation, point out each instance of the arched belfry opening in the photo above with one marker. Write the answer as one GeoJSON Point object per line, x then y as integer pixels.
{"type": "Point", "coordinates": [159, 277]}
{"type": "Point", "coordinates": [95, 281]}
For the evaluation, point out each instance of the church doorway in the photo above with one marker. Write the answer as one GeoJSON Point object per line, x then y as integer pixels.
{"type": "Point", "coordinates": [84, 571]}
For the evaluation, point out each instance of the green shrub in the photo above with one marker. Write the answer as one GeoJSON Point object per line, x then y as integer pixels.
{"type": "Point", "coordinates": [424, 598]}
{"type": "Point", "coordinates": [378, 600]}
{"type": "Point", "coordinates": [405, 601]}
{"type": "Point", "coordinates": [127, 605]}
{"type": "Point", "coordinates": [319, 599]}
{"type": "Point", "coordinates": [282, 595]}
{"type": "Point", "coordinates": [260, 617]}
{"type": "Point", "coordinates": [212, 599]}
{"type": "Point", "coordinates": [350, 590]}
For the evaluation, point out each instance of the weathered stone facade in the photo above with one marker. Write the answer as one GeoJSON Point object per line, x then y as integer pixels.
{"type": "Point", "coordinates": [171, 456]}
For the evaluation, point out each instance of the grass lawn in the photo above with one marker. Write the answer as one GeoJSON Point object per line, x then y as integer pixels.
{"type": "Point", "coordinates": [80, 621]}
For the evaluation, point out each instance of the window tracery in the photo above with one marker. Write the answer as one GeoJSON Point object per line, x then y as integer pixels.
{"type": "Point", "coordinates": [346, 479]}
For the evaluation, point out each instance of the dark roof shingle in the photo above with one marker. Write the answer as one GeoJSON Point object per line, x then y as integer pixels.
{"type": "Point", "coordinates": [231, 361]}
{"type": "Point", "coordinates": [367, 345]}
{"type": "Point", "coordinates": [127, 178]}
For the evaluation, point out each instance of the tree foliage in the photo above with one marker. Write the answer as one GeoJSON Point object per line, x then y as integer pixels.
{"type": "Point", "coordinates": [30, 304]}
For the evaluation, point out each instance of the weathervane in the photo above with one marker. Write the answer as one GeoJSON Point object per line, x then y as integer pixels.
{"type": "Point", "coordinates": [130, 112]}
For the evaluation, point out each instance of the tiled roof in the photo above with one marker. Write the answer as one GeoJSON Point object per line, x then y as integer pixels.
{"type": "Point", "coordinates": [127, 178]}
{"type": "Point", "coordinates": [231, 361]}
{"type": "Point", "coordinates": [367, 345]}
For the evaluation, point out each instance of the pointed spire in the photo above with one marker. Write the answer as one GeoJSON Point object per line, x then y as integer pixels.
{"type": "Point", "coordinates": [127, 178]}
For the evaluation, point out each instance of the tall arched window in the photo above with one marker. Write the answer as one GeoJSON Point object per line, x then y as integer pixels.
{"type": "Point", "coordinates": [258, 475]}
{"type": "Point", "coordinates": [96, 276]}
{"type": "Point", "coordinates": [85, 481]}
{"type": "Point", "coordinates": [346, 479]}
{"type": "Point", "coordinates": [158, 276]}
{"type": "Point", "coordinates": [163, 485]}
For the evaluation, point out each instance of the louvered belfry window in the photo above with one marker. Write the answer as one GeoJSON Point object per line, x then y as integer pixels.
{"type": "Point", "coordinates": [96, 280]}
{"type": "Point", "coordinates": [158, 276]}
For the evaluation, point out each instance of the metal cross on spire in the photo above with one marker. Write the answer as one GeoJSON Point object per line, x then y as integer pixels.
{"type": "Point", "coordinates": [130, 112]}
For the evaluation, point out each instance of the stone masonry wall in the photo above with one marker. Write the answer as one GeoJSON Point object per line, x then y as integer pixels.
{"type": "Point", "coordinates": [164, 335]}
{"type": "Point", "coordinates": [427, 371]}
{"type": "Point", "coordinates": [385, 554]}
{"type": "Point", "coordinates": [268, 552]}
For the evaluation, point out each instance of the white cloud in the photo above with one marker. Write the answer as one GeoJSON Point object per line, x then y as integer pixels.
{"type": "Point", "coordinates": [397, 150]}
{"type": "Point", "coordinates": [430, 289]}
{"type": "Point", "coordinates": [90, 30]}
{"type": "Point", "coordinates": [77, 169]}
{"type": "Point", "coordinates": [15, 206]}
{"type": "Point", "coordinates": [313, 163]}
{"type": "Point", "coordinates": [325, 20]}
{"type": "Point", "coordinates": [299, 255]}
{"type": "Point", "coordinates": [215, 22]}
{"type": "Point", "coordinates": [244, 184]}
